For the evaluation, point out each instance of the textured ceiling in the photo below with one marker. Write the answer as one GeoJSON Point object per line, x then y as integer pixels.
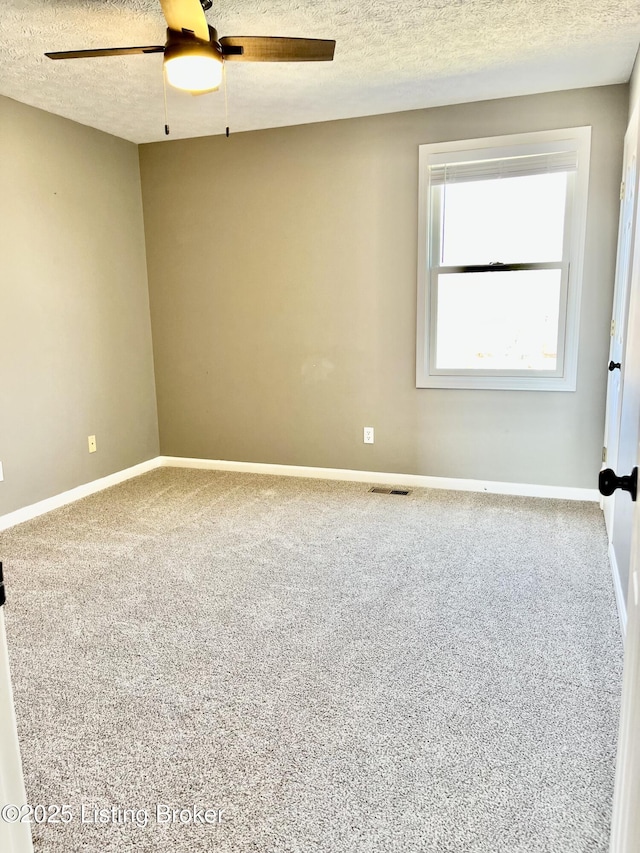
{"type": "Point", "coordinates": [389, 57]}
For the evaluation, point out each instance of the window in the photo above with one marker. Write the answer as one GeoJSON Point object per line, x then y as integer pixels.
{"type": "Point", "coordinates": [501, 237]}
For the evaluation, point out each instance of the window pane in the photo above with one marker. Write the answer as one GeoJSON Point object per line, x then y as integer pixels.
{"type": "Point", "coordinates": [498, 320]}
{"type": "Point", "coordinates": [511, 220]}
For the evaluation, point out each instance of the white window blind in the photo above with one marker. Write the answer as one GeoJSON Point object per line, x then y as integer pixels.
{"type": "Point", "coordinates": [512, 167]}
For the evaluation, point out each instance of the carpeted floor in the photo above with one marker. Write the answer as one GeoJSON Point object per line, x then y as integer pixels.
{"type": "Point", "coordinates": [335, 670]}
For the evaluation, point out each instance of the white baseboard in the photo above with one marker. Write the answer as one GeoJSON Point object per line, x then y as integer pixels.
{"type": "Point", "coordinates": [390, 479]}
{"type": "Point", "coordinates": [64, 498]}
{"type": "Point", "coordinates": [619, 593]}
{"type": "Point", "coordinates": [386, 478]}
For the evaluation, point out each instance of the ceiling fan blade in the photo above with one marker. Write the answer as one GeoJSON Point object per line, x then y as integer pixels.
{"type": "Point", "coordinates": [276, 49]}
{"type": "Point", "coordinates": [105, 51]}
{"type": "Point", "coordinates": [186, 15]}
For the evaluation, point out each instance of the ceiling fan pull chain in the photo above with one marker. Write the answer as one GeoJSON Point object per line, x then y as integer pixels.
{"type": "Point", "coordinates": [166, 113]}
{"type": "Point", "coordinates": [226, 100]}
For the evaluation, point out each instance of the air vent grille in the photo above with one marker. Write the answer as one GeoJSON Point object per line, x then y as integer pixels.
{"type": "Point", "coordinates": [387, 490]}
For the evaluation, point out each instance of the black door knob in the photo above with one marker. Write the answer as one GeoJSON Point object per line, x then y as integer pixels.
{"type": "Point", "coordinates": [608, 482]}
{"type": "Point", "coordinates": [613, 365]}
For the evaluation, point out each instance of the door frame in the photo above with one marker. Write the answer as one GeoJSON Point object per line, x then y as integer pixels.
{"type": "Point", "coordinates": [14, 837]}
{"type": "Point", "coordinates": [625, 819]}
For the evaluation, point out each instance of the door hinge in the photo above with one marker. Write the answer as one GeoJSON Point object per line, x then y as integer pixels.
{"type": "Point", "coordinates": [622, 191]}
{"type": "Point", "coordinates": [604, 454]}
{"type": "Point", "coordinates": [613, 328]}
{"type": "Point", "coordinates": [3, 597]}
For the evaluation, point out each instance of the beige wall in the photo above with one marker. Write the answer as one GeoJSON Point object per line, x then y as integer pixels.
{"type": "Point", "coordinates": [75, 332]}
{"type": "Point", "coordinates": [282, 275]}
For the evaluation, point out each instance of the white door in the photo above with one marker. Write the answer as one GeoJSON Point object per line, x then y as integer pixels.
{"type": "Point", "coordinates": [625, 827]}
{"type": "Point", "coordinates": [626, 235]}
{"type": "Point", "coordinates": [14, 837]}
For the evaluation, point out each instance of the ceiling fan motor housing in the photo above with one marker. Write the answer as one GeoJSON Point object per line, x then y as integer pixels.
{"type": "Point", "coordinates": [184, 43]}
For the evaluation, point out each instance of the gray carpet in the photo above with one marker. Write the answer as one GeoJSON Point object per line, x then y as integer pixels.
{"type": "Point", "coordinates": [335, 670]}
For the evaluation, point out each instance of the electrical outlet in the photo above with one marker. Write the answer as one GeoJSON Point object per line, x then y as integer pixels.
{"type": "Point", "coordinates": [368, 435]}
{"type": "Point", "coordinates": [92, 444]}
{"type": "Point", "coordinates": [1, 473]}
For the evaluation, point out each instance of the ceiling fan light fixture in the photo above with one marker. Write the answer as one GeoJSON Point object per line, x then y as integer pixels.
{"type": "Point", "coordinates": [192, 65]}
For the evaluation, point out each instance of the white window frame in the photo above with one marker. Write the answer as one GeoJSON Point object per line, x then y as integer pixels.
{"type": "Point", "coordinates": [564, 377]}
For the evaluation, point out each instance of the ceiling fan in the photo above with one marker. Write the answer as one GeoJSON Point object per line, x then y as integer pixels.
{"type": "Point", "coordinates": [194, 55]}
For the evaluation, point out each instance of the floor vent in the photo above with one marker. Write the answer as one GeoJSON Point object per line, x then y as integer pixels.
{"type": "Point", "coordinates": [382, 490]}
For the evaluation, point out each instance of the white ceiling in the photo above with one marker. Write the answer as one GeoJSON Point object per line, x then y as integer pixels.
{"type": "Point", "coordinates": [389, 57]}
